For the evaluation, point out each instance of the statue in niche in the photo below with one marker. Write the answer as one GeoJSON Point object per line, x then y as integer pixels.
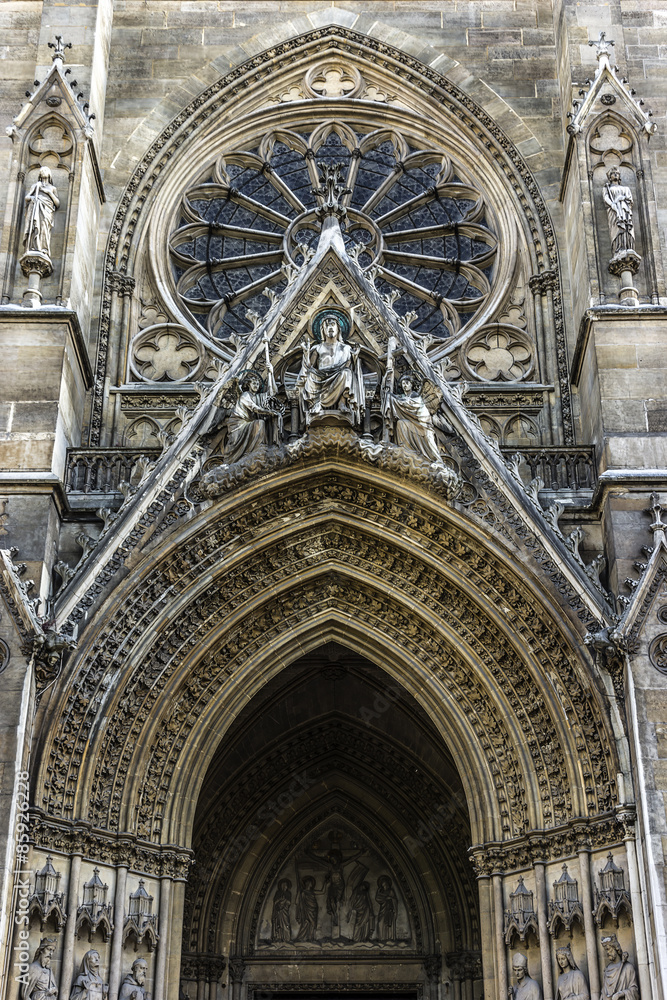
{"type": "Point", "coordinates": [88, 984]}
{"type": "Point", "coordinates": [620, 977]}
{"type": "Point", "coordinates": [132, 987]}
{"type": "Point", "coordinates": [281, 927]}
{"type": "Point", "coordinates": [408, 415]}
{"type": "Point", "coordinates": [307, 909]}
{"type": "Point", "coordinates": [253, 422]}
{"type": "Point", "coordinates": [330, 379]}
{"type": "Point", "coordinates": [40, 983]}
{"type": "Point", "coordinates": [526, 988]}
{"type": "Point", "coordinates": [618, 199]}
{"type": "Point", "coordinates": [571, 983]}
{"type": "Point", "coordinates": [41, 203]}
{"type": "Point", "coordinates": [364, 916]}
{"type": "Point", "coordinates": [385, 897]}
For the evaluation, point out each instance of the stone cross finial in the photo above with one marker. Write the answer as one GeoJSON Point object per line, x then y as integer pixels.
{"type": "Point", "coordinates": [602, 47]}
{"type": "Point", "coordinates": [59, 48]}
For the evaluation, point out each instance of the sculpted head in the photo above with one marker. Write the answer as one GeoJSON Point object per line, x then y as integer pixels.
{"type": "Point", "coordinates": [565, 958]}
{"type": "Point", "coordinates": [252, 381]}
{"type": "Point", "coordinates": [139, 970]}
{"type": "Point", "coordinates": [44, 952]}
{"type": "Point", "coordinates": [612, 948]}
{"type": "Point", "coordinates": [90, 963]}
{"type": "Point", "coordinates": [614, 175]}
{"type": "Point", "coordinates": [520, 966]}
{"type": "Point", "coordinates": [330, 328]}
{"type": "Point", "coordinates": [407, 384]}
{"type": "Point", "coordinates": [45, 175]}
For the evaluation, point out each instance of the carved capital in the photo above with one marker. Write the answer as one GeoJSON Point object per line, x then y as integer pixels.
{"type": "Point", "coordinates": [626, 260]}
{"type": "Point", "coordinates": [121, 283]}
{"type": "Point", "coordinates": [541, 283]}
{"type": "Point", "coordinates": [36, 263]}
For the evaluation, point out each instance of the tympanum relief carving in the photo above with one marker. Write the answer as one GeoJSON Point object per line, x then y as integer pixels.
{"type": "Point", "coordinates": [335, 892]}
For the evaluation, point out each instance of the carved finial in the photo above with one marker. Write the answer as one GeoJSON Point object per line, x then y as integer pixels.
{"type": "Point", "coordinates": [602, 47]}
{"type": "Point", "coordinates": [59, 48]}
{"type": "Point", "coordinates": [658, 526]}
{"type": "Point", "coordinates": [331, 191]}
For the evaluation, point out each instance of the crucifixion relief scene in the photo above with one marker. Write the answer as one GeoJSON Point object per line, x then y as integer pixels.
{"type": "Point", "coordinates": [333, 500]}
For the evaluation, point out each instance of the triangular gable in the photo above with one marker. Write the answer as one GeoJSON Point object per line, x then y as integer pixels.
{"type": "Point", "coordinates": [607, 84]}
{"type": "Point", "coordinates": [54, 92]}
{"type": "Point", "coordinates": [642, 616]}
{"type": "Point", "coordinates": [517, 513]}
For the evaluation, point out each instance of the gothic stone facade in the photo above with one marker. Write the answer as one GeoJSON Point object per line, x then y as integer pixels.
{"type": "Point", "coordinates": [333, 581]}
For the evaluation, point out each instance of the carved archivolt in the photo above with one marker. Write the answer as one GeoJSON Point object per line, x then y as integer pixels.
{"type": "Point", "coordinates": [463, 613]}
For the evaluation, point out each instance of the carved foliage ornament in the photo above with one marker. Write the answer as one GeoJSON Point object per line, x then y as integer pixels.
{"type": "Point", "coordinates": [564, 675]}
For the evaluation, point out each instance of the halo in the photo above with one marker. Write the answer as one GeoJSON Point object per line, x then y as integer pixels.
{"type": "Point", "coordinates": [417, 378]}
{"type": "Point", "coordinates": [338, 314]}
{"type": "Point", "coordinates": [245, 376]}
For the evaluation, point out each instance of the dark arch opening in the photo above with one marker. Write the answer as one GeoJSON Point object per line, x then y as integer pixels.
{"type": "Point", "coordinates": [331, 836]}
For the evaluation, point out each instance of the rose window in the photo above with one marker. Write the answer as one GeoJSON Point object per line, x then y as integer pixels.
{"type": "Point", "coordinates": [425, 230]}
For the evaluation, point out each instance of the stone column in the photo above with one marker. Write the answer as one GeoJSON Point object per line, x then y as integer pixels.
{"type": "Point", "coordinates": [501, 954]}
{"type": "Point", "coordinates": [236, 973]}
{"type": "Point", "coordinates": [122, 287]}
{"type": "Point", "coordinates": [589, 923]}
{"type": "Point", "coordinates": [163, 945]}
{"type": "Point", "coordinates": [67, 966]}
{"type": "Point", "coordinates": [625, 265]}
{"type": "Point", "coordinates": [433, 968]}
{"type": "Point", "coordinates": [487, 926]}
{"type": "Point", "coordinates": [637, 908]}
{"type": "Point", "coordinates": [115, 971]}
{"type": "Point", "coordinates": [545, 940]}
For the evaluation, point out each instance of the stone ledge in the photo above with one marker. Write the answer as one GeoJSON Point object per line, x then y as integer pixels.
{"type": "Point", "coordinates": [50, 315]}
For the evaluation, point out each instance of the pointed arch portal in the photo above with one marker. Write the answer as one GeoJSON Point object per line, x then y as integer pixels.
{"type": "Point", "coordinates": [332, 698]}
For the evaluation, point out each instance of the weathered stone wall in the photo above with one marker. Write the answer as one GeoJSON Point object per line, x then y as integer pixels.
{"type": "Point", "coordinates": [139, 63]}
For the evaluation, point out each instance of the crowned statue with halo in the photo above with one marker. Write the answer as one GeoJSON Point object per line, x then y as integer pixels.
{"type": "Point", "coordinates": [330, 381]}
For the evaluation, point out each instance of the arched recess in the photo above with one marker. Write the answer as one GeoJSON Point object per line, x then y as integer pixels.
{"type": "Point", "coordinates": [140, 762]}
{"type": "Point", "coordinates": [219, 607]}
{"type": "Point", "coordinates": [235, 109]}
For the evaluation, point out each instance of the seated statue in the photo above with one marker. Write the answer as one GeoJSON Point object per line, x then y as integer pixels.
{"type": "Point", "coordinates": [88, 984]}
{"type": "Point", "coordinates": [526, 988]}
{"type": "Point", "coordinates": [330, 378]}
{"type": "Point", "coordinates": [571, 983]}
{"type": "Point", "coordinates": [620, 977]}
{"type": "Point", "coordinates": [408, 415]}
{"type": "Point", "coordinates": [254, 420]}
